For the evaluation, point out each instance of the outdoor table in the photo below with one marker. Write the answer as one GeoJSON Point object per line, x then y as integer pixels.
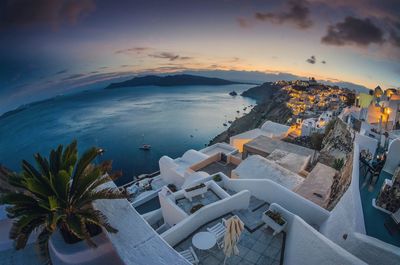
{"type": "Point", "coordinates": [204, 240]}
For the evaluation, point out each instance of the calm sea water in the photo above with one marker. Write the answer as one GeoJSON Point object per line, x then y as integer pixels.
{"type": "Point", "coordinates": [171, 119]}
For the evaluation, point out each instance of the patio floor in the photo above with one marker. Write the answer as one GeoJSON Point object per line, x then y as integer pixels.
{"type": "Point", "coordinates": [216, 167]}
{"type": "Point", "coordinates": [186, 205]}
{"type": "Point", "coordinates": [26, 256]}
{"type": "Point", "coordinates": [256, 248]}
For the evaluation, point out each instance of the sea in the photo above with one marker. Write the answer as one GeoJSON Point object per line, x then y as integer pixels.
{"type": "Point", "coordinates": [170, 119]}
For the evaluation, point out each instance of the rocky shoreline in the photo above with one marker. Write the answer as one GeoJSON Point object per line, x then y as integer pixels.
{"type": "Point", "coordinates": [271, 105]}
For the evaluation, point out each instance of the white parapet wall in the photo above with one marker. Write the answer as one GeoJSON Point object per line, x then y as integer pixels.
{"type": "Point", "coordinates": [136, 242]}
{"type": "Point", "coordinates": [306, 246]}
{"type": "Point", "coordinates": [366, 143]}
{"type": "Point", "coordinates": [271, 192]}
{"type": "Point", "coordinates": [171, 212]}
{"type": "Point", "coordinates": [204, 215]}
{"type": "Point", "coordinates": [372, 250]}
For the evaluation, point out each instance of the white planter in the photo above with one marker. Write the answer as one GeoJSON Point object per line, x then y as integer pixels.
{"type": "Point", "coordinates": [80, 253]}
{"type": "Point", "coordinates": [193, 193]}
{"type": "Point", "coordinates": [271, 223]}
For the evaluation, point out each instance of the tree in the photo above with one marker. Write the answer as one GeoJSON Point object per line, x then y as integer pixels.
{"type": "Point", "coordinates": [58, 195]}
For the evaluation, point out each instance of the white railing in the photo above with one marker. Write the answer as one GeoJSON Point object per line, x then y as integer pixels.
{"type": "Point", "coordinates": [204, 215]}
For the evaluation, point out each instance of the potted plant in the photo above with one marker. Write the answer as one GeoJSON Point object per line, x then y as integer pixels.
{"type": "Point", "coordinates": [196, 207]}
{"type": "Point", "coordinates": [274, 220]}
{"type": "Point", "coordinates": [172, 187]}
{"type": "Point", "coordinates": [218, 179]}
{"type": "Point", "coordinates": [199, 189]}
{"type": "Point", "coordinates": [56, 196]}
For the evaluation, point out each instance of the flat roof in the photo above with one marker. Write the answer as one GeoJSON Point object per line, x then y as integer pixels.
{"type": "Point", "coordinates": [267, 145]}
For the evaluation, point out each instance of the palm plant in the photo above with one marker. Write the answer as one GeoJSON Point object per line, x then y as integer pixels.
{"type": "Point", "coordinates": [58, 194]}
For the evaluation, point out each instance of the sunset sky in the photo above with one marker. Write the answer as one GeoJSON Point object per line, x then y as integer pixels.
{"type": "Point", "coordinates": [53, 46]}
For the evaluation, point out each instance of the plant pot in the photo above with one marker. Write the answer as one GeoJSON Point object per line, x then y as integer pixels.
{"type": "Point", "coordinates": [272, 223]}
{"type": "Point", "coordinates": [80, 253]}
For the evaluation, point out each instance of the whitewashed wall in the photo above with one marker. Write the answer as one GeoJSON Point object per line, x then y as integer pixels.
{"type": "Point", "coordinates": [204, 215]}
{"type": "Point", "coordinates": [171, 212]}
{"type": "Point", "coordinates": [365, 142]}
{"type": "Point", "coordinates": [272, 192]}
{"type": "Point", "coordinates": [306, 246]}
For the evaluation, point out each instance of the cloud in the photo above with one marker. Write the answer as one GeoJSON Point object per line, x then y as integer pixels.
{"type": "Point", "coordinates": [169, 56]}
{"type": "Point", "coordinates": [74, 76]}
{"type": "Point", "coordinates": [61, 72]}
{"type": "Point", "coordinates": [394, 34]}
{"type": "Point", "coordinates": [353, 31]}
{"type": "Point", "coordinates": [311, 60]}
{"type": "Point", "coordinates": [243, 22]}
{"type": "Point", "coordinates": [323, 62]}
{"type": "Point", "coordinates": [298, 14]}
{"type": "Point", "coordinates": [137, 50]}
{"type": "Point", "coordinates": [25, 13]}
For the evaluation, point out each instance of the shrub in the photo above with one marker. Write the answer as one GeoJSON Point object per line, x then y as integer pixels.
{"type": "Point", "coordinates": [316, 141]}
{"type": "Point", "coordinates": [196, 208]}
{"type": "Point", "coordinates": [202, 185]}
{"type": "Point", "coordinates": [338, 163]}
{"type": "Point", "coordinates": [172, 187]}
{"type": "Point", "coordinates": [276, 216]}
{"type": "Point", "coordinates": [217, 178]}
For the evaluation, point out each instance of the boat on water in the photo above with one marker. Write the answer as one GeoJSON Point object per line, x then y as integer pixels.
{"type": "Point", "coordinates": [145, 147]}
{"type": "Point", "coordinates": [225, 124]}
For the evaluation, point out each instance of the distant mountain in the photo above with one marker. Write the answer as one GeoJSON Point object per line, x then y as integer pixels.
{"type": "Point", "coordinates": [262, 92]}
{"type": "Point", "coordinates": [172, 80]}
{"type": "Point", "coordinates": [262, 77]}
{"type": "Point", "coordinates": [348, 85]}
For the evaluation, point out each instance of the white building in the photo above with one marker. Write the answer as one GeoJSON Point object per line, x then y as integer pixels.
{"type": "Point", "coordinates": [316, 125]}
{"type": "Point", "coordinates": [270, 129]}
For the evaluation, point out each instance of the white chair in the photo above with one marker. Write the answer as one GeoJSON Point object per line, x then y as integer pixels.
{"type": "Point", "coordinates": [219, 232]}
{"type": "Point", "coordinates": [190, 255]}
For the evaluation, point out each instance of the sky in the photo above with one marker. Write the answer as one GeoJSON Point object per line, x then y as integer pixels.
{"type": "Point", "coordinates": [51, 47]}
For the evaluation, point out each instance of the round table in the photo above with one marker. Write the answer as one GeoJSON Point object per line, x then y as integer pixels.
{"type": "Point", "coordinates": [204, 240]}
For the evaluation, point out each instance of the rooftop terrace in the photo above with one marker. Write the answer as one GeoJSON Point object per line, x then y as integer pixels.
{"type": "Point", "coordinates": [186, 205]}
{"type": "Point", "coordinates": [257, 247]}
{"type": "Point", "coordinates": [217, 167]}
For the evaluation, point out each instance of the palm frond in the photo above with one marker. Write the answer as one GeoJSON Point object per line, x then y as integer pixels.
{"type": "Point", "coordinates": [43, 245]}
{"type": "Point", "coordinates": [104, 194]}
{"type": "Point", "coordinates": [82, 164]}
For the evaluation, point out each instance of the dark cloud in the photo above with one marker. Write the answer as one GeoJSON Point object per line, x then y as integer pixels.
{"type": "Point", "coordinates": [394, 35]}
{"type": "Point", "coordinates": [61, 72]}
{"type": "Point", "coordinates": [169, 56]}
{"type": "Point", "coordinates": [298, 14]}
{"type": "Point", "coordinates": [311, 60]}
{"type": "Point", "coordinates": [25, 13]}
{"type": "Point", "coordinates": [395, 38]}
{"type": "Point", "coordinates": [323, 62]}
{"type": "Point", "coordinates": [137, 50]}
{"type": "Point", "coordinates": [361, 32]}
{"type": "Point", "coordinates": [243, 23]}
{"type": "Point", "coordinates": [74, 76]}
